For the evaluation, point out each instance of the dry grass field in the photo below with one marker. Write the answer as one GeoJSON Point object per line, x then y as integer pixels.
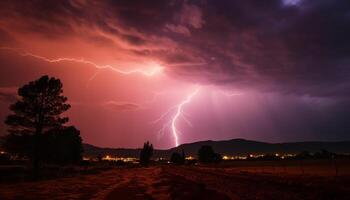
{"type": "Point", "coordinates": [237, 180]}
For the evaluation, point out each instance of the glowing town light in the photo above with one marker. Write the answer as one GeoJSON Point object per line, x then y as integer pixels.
{"type": "Point", "coordinates": [179, 113]}
{"type": "Point", "coordinates": [149, 72]}
{"type": "Point", "coordinates": [189, 158]}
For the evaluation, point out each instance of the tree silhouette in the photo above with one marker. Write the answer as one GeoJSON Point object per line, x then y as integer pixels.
{"type": "Point", "coordinates": [146, 154]}
{"type": "Point", "coordinates": [206, 154]}
{"type": "Point", "coordinates": [36, 122]}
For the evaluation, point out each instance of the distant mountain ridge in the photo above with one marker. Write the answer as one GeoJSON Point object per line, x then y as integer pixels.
{"type": "Point", "coordinates": [228, 147]}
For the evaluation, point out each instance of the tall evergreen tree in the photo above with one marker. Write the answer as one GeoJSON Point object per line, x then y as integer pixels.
{"type": "Point", "coordinates": [36, 113]}
{"type": "Point", "coordinates": [146, 154]}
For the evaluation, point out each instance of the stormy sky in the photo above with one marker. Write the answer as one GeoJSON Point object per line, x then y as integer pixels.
{"type": "Point", "coordinates": [274, 70]}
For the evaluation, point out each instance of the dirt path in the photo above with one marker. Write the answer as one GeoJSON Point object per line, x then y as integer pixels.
{"type": "Point", "coordinates": [179, 183]}
{"type": "Point", "coordinates": [137, 184]}
{"type": "Point", "coordinates": [157, 183]}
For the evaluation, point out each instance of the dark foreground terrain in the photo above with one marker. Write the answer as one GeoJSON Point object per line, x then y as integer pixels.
{"type": "Point", "coordinates": [258, 181]}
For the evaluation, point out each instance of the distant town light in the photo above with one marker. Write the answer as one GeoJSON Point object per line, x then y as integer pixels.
{"type": "Point", "coordinates": [189, 158]}
{"type": "Point", "coordinates": [86, 158]}
{"type": "Point", "coordinates": [124, 159]}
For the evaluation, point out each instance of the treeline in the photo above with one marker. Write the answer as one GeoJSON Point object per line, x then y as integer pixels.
{"type": "Point", "coordinates": [205, 154]}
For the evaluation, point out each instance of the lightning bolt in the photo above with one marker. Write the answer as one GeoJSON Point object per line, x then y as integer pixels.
{"type": "Point", "coordinates": [179, 113]}
{"type": "Point", "coordinates": [150, 72]}
{"type": "Point", "coordinates": [174, 119]}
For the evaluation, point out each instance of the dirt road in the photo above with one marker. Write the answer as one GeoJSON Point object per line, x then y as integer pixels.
{"type": "Point", "coordinates": [175, 182]}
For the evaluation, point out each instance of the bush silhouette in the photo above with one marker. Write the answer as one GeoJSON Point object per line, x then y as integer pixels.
{"type": "Point", "coordinates": [269, 157]}
{"type": "Point", "coordinates": [4, 157]}
{"type": "Point", "coordinates": [206, 154]}
{"type": "Point", "coordinates": [324, 154]}
{"type": "Point", "coordinates": [36, 126]}
{"type": "Point", "coordinates": [146, 154]}
{"type": "Point", "coordinates": [177, 158]}
{"type": "Point", "coordinates": [303, 155]}
{"type": "Point", "coordinates": [64, 145]}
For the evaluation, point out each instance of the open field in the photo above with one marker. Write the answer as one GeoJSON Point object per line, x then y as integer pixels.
{"type": "Point", "coordinates": [325, 168]}
{"type": "Point", "coordinates": [237, 180]}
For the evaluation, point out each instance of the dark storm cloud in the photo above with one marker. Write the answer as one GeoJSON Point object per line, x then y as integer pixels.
{"type": "Point", "coordinates": [148, 16]}
{"type": "Point", "coordinates": [60, 19]}
{"type": "Point", "coordinates": [300, 47]}
{"type": "Point", "coordinates": [47, 18]}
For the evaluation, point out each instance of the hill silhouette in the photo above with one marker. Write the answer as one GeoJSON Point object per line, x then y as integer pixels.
{"type": "Point", "coordinates": [228, 147]}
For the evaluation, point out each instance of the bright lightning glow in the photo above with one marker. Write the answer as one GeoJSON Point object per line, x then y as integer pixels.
{"type": "Point", "coordinates": [179, 113]}
{"type": "Point", "coordinates": [149, 72]}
